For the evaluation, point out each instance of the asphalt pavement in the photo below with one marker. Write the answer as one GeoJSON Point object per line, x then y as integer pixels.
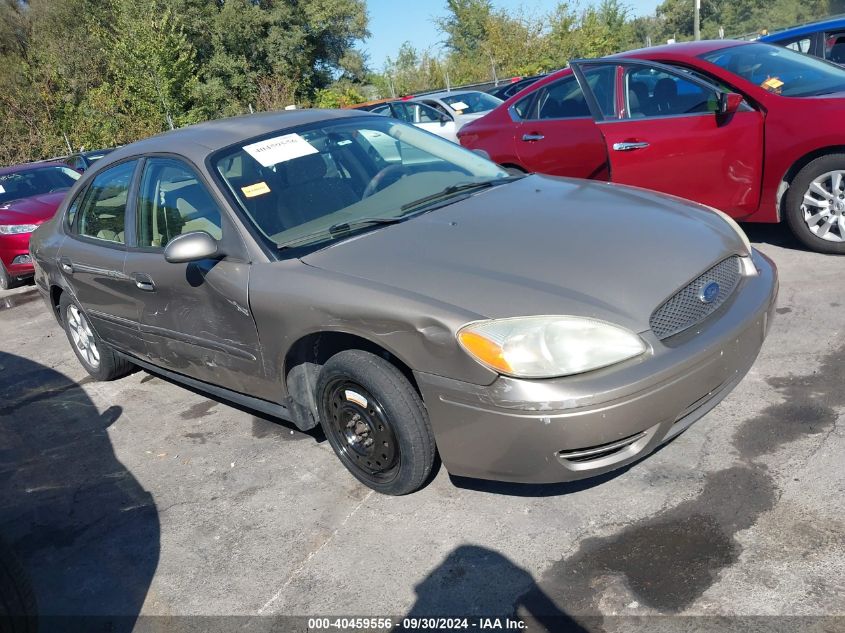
{"type": "Point", "coordinates": [142, 497]}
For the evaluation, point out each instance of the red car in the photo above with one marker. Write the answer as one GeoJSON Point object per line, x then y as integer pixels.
{"type": "Point", "coordinates": [29, 195]}
{"type": "Point", "coordinates": [748, 128]}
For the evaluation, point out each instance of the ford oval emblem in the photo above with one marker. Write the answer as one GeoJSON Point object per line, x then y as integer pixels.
{"type": "Point", "coordinates": [709, 292]}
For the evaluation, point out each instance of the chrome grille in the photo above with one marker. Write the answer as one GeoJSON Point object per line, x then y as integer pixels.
{"type": "Point", "coordinates": [685, 308]}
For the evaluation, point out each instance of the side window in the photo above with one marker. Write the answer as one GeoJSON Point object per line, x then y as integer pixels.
{"type": "Point", "coordinates": [426, 114]}
{"type": "Point", "coordinates": [834, 47]}
{"type": "Point", "coordinates": [172, 201]}
{"type": "Point", "coordinates": [403, 112]}
{"type": "Point", "coordinates": [651, 92]}
{"type": "Point", "coordinates": [563, 99]}
{"type": "Point", "coordinates": [522, 108]}
{"type": "Point", "coordinates": [801, 45]}
{"type": "Point", "coordinates": [73, 208]}
{"type": "Point", "coordinates": [102, 214]}
{"type": "Point", "coordinates": [437, 107]}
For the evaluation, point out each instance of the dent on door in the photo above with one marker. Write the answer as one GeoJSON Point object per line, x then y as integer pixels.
{"type": "Point", "coordinates": [198, 321]}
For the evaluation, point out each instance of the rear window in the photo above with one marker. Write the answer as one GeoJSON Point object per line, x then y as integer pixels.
{"type": "Point", "coordinates": [35, 182]}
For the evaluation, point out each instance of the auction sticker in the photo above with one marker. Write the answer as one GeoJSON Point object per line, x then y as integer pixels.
{"type": "Point", "coordinates": [258, 189]}
{"type": "Point", "coordinates": [279, 149]}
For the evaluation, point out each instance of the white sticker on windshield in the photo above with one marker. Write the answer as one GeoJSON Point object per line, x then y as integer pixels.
{"type": "Point", "coordinates": [459, 105]}
{"type": "Point", "coordinates": [2, 190]}
{"type": "Point", "coordinates": [280, 149]}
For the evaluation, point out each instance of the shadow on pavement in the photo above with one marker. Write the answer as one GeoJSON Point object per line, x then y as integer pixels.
{"type": "Point", "coordinates": [475, 581]}
{"type": "Point", "coordinates": [84, 530]}
{"type": "Point", "coordinates": [774, 234]}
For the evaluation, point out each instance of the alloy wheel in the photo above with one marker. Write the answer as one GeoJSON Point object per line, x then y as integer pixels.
{"type": "Point", "coordinates": [82, 336]}
{"type": "Point", "coordinates": [823, 206]}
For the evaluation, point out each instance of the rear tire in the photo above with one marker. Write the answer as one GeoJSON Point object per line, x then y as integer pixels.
{"type": "Point", "coordinates": [376, 422]}
{"type": "Point", "coordinates": [815, 205]}
{"type": "Point", "coordinates": [95, 355]}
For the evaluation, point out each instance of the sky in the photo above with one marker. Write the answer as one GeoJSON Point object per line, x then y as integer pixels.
{"type": "Point", "coordinates": [393, 22]}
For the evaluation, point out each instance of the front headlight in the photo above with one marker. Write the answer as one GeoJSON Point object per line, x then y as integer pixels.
{"type": "Point", "coordinates": [548, 346]}
{"type": "Point", "coordinates": [16, 229]}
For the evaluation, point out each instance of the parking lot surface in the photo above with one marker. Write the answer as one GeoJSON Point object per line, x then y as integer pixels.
{"type": "Point", "coordinates": [142, 497]}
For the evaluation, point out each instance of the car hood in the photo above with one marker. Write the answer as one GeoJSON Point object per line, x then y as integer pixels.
{"type": "Point", "coordinates": [32, 210]}
{"type": "Point", "coordinates": [544, 245]}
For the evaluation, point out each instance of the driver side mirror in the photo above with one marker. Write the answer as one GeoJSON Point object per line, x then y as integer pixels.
{"type": "Point", "coordinates": [444, 119]}
{"type": "Point", "coordinates": [191, 247]}
{"type": "Point", "coordinates": [729, 102]}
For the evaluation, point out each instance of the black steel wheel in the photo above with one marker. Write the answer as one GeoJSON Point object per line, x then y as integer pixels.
{"type": "Point", "coordinates": [361, 432]}
{"type": "Point", "coordinates": [376, 422]}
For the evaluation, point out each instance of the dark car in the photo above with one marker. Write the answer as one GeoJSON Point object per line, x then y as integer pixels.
{"type": "Point", "coordinates": [349, 270]}
{"type": "Point", "coordinates": [84, 160]}
{"type": "Point", "coordinates": [506, 91]}
{"type": "Point", "coordinates": [29, 195]}
{"type": "Point", "coordinates": [825, 39]}
{"type": "Point", "coordinates": [748, 128]}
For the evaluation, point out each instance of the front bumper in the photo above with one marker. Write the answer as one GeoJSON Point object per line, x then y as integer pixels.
{"type": "Point", "coordinates": [14, 254]}
{"type": "Point", "coordinates": [563, 429]}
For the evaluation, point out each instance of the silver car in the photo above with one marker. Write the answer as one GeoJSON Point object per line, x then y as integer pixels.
{"type": "Point", "coordinates": [529, 329]}
{"type": "Point", "coordinates": [422, 116]}
{"type": "Point", "coordinates": [462, 106]}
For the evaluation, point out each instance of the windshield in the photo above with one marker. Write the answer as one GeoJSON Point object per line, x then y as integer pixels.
{"type": "Point", "coordinates": [298, 185]}
{"type": "Point", "coordinates": [780, 70]}
{"type": "Point", "coordinates": [471, 102]}
{"type": "Point", "coordinates": [34, 182]}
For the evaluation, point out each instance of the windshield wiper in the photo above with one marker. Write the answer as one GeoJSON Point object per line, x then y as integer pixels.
{"type": "Point", "coordinates": [453, 189]}
{"type": "Point", "coordinates": [337, 228]}
{"type": "Point", "coordinates": [342, 227]}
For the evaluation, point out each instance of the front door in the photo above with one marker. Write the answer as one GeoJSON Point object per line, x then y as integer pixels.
{"type": "Point", "coordinates": [91, 259]}
{"type": "Point", "coordinates": [556, 132]}
{"type": "Point", "coordinates": [670, 138]}
{"type": "Point", "coordinates": [195, 317]}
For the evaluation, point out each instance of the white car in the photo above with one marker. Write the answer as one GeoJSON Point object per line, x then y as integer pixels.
{"type": "Point", "coordinates": [422, 116]}
{"type": "Point", "coordinates": [462, 106]}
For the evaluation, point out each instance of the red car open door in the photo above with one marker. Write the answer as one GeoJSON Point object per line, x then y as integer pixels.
{"type": "Point", "coordinates": [679, 134]}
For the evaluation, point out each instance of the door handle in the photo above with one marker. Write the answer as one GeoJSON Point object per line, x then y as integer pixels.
{"type": "Point", "coordinates": [532, 137]}
{"type": "Point", "coordinates": [629, 146]}
{"type": "Point", "coordinates": [66, 265]}
{"type": "Point", "coordinates": [143, 282]}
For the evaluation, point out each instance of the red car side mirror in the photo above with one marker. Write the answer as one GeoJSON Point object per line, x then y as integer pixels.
{"type": "Point", "coordinates": [729, 102]}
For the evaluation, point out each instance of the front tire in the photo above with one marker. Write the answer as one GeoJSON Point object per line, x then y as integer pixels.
{"type": "Point", "coordinates": [95, 355]}
{"type": "Point", "coordinates": [815, 205]}
{"type": "Point", "coordinates": [376, 422]}
{"type": "Point", "coordinates": [7, 282]}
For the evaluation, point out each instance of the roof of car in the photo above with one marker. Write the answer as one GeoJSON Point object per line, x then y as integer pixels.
{"type": "Point", "coordinates": [199, 140]}
{"type": "Point", "coordinates": [445, 93]}
{"type": "Point", "coordinates": [11, 169]}
{"type": "Point", "coordinates": [805, 29]}
{"type": "Point", "coordinates": [684, 49]}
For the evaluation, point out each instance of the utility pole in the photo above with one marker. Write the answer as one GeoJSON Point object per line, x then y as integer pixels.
{"type": "Point", "coordinates": [697, 20]}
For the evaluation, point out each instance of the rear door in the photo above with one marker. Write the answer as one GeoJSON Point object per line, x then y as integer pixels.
{"type": "Point", "coordinates": [194, 317]}
{"type": "Point", "coordinates": [91, 259]}
{"type": "Point", "coordinates": [670, 138]}
{"type": "Point", "coordinates": [556, 132]}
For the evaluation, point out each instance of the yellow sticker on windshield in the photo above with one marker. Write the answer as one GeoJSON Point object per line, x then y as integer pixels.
{"type": "Point", "coordinates": [772, 84]}
{"type": "Point", "coordinates": [258, 189]}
